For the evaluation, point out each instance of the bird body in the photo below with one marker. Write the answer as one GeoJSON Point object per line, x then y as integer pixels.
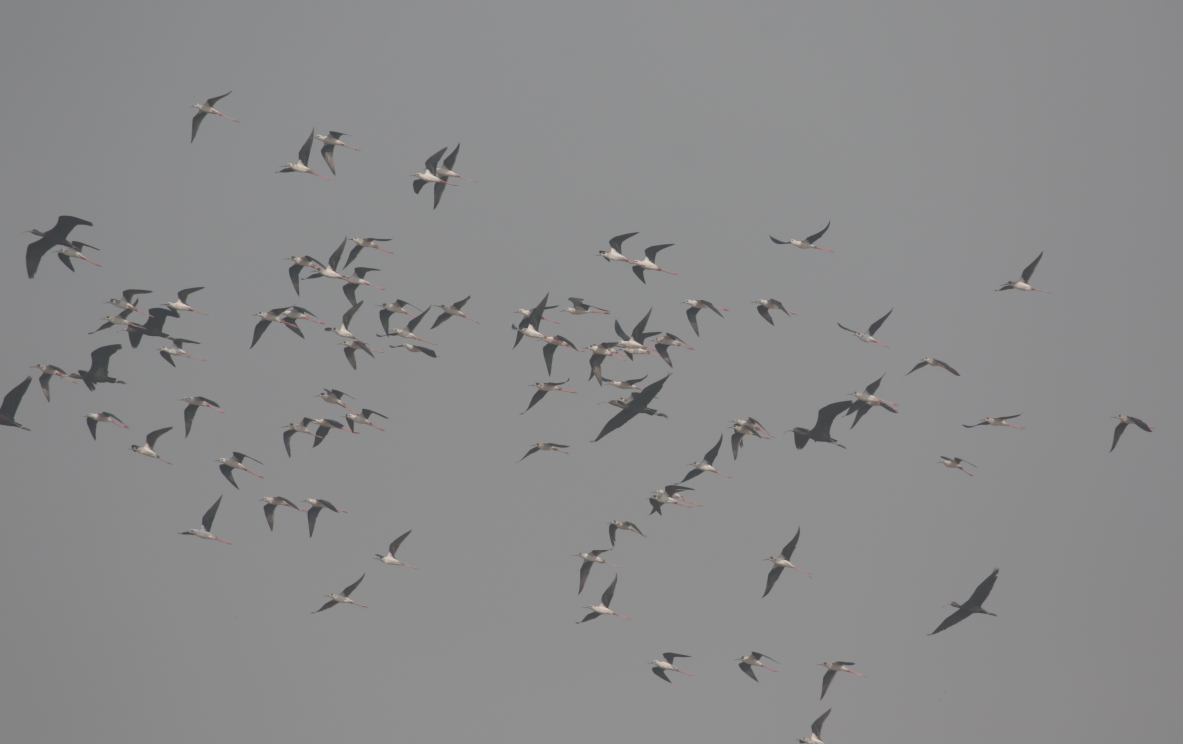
{"type": "Point", "coordinates": [1023, 284]}
{"type": "Point", "coordinates": [618, 525]}
{"type": "Point", "coordinates": [181, 301]}
{"type": "Point", "coordinates": [389, 558]}
{"type": "Point", "coordinates": [602, 607]}
{"type": "Point", "coordinates": [146, 448]}
{"type": "Point", "coordinates": [816, 730]}
{"type": "Point", "coordinates": [269, 508]}
{"type": "Point", "coordinates": [301, 164]}
{"type": "Point", "coordinates": [206, 108]}
{"type": "Point", "coordinates": [613, 253]}
{"type": "Point", "coordinates": [955, 463]}
{"type": "Point", "coordinates": [765, 306]}
{"type": "Point", "coordinates": [832, 668]}
{"type": "Point", "coordinates": [343, 597]}
{"type": "Point", "coordinates": [972, 606]}
{"type": "Point", "coordinates": [754, 659]}
{"type": "Point", "coordinates": [207, 524]}
{"type": "Point", "coordinates": [588, 559]}
{"type": "Point", "coordinates": [781, 562]}
{"type": "Point", "coordinates": [996, 421]}
{"type": "Point", "coordinates": [661, 667]}
{"type": "Point", "coordinates": [869, 336]}
{"type": "Point", "coordinates": [809, 242]}
{"type": "Point", "coordinates": [1123, 422]}
{"type": "Point", "coordinates": [55, 236]}
{"type": "Point", "coordinates": [930, 362]}
{"type": "Point", "coordinates": [94, 419]}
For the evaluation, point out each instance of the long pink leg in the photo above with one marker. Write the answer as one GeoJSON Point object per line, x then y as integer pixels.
{"type": "Point", "coordinates": [768, 668]}
{"type": "Point", "coordinates": [196, 311]}
{"type": "Point", "coordinates": [613, 565]}
{"type": "Point", "coordinates": [883, 345]}
{"type": "Point", "coordinates": [120, 425]}
{"type": "Point", "coordinates": [722, 474]}
{"type": "Point", "coordinates": [804, 572]}
{"type": "Point", "coordinates": [468, 318]}
{"type": "Point", "coordinates": [166, 462]}
{"type": "Point", "coordinates": [84, 258]}
{"type": "Point", "coordinates": [433, 343]}
{"type": "Point", "coordinates": [253, 473]}
{"type": "Point", "coordinates": [561, 452]}
{"type": "Point", "coordinates": [327, 179]}
{"type": "Point", "coordinates": [564, 390]}
{"type": "Point", "coordinates": [1013, 426]}
{"type": "Point", "coordinates": [221, 540]}
{"type": "Point", "coordinates": [669, 272]}
{"type": "Point", "coordinates": [379, 428]}
{"type": "Point", "coordinates": [342, 144]}
{"type": "Point", "coordinates": [688, 674]}
{"type": "Point", "coordinates": [219, 113]}
{"type": "Point", "coordinates": [385, 251]}
{"type": "Point", "coordinates": [827, 250]}
{"type": "Point", "coordinates": [854, 672]}
{"type": "Point", "coordinates": [964, 471]}
{"type": "Point", "coordinates": [553, 321]}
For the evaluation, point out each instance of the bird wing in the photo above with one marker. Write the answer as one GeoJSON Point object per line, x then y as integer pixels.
{"type": "Point", "coordinates": [183, 295]}
{"type": "Point", "coordinates": [100, 358]}
{"type": "Point", "coordinates": [983, 591]}
{"type": "Point", "coordinates": [531, 451]}
{"type": "Point", "coordinates": [349, 589]}
{"type": "Point", "coordinates": [534, 399]}
{"type": "Point", "coordinates": [606, 597]}
{"type": "Point", "coordinates": [619, 239]}
{"type": "Point", "coordinates": [765, 314]}
{"type": "Point", "coordinates": [535, 317]}
{"type": "Point", "coordinates": [451, 159]}
{"type": "Point", "coordinates": [846, 329]}
{"type": "Point", "coordinates": [168, 358]}
{"type": "Point", "coordinates": [152, 437]}
{"type": "Point", "coordinates": [350, 291]}
{"type": "Point", "coordinates": [759, 655]}
{"type": "Point", "coordinates": [918, 366]}
{"type": "Point", "coordinates": [670, 656]}
{"type": "Point", "coordinates": [36, 250]}
{"type": "Point", "coordinates": [443, 316]}
{"type": "Point", "coordinates": [313, 513]}
{"type": "Point", "coordinates": [645, 397]}
{"type": "Point", "coordinates": [584, 570]}
{"type": "Point", "coordinates": [953, 619]}
{"type": "Point", "coordinates": [327, 605]}
{"type": "Point", "coordinates": [747, 669]}
{"type": "Point", "coordinates": [229, 473]}
{"type": "Point", "coordinates": [640, 274]}
{"type": "Point", "coordinates": [862, 409]}
{"type": "Point", "coordinates": [336, 256]}
{"type": "Point", "coordinates": [93, 426]}
{"type": "Point", "coordinates": [438, 192]}
{"type": "Point", "coordinates": [207, 521]}
{"type": "Point", "coordinates": [736, 443]}
{"type": "Point", "coordinates": [548, 356]}
{"type": "Point", "coordinates": [347, 318]}
{"type": "Point", "coordinates": [398, 541]}
{"type": "Point", "coordinates": [826, 680]}
{"type": "Point", "coordinates": [617, 421]}
{"type": "Point", "coordinates": [817, 725]}
{"type": "Point", "coordinates": [287, 441]}
{"type": "Point", "coordinates": [1027, 272]}
{"type": "Point", "coordinates": [196, 123]}
{"type": "Point", "coordinates": [612, 534]}
{"type": "Point", "coordinates": [875, 385]}
{"type": "Point", "coordinates": [1117, 434]}
{"type": "Point", "coordinates": [692, 314]}
{"type": "Point", "coordinates": [43, 381]}
{"type": "Point", "coordinates": [1141, 424]}
{"type": "Point", "coordinates": [778, 242]}
{"type": "Point", "coordinates": [294, 273]}
{"type": "Point", "coordinates": [259, 328]}
{"type": "Point", "coordinates": [460, 305]}
{"type": "Point", "coordinates": [787, 553]}
{"type": "Point", "coordinates": [327, 153]}
{"type": "Point", "coordinates": [13, 399]}
{"type": "Point", "coordinates": [713, 452]}
{"type": "Point", "coordinates": [352, 255]}
{"type": "Point", "coordinates": [589, 616]}
{"type": "Point", "coordinates": [939, 362]}
{"type": "Point", "coordinates": [413, 322]}
{"type": "Point", "coordinates": [434, 160]}
{"type": "Point", "coordinates": [800, 439]}
{"type": "Point", "coordinates": [66, 260]}
{"type": "Point", "coordinates": [652, 251]}
{"type": "Point", "coordinates": [875, 326]}
{"type": "Point", "coordinates": [812, 239]}
{"type": "Point", "coordinates": [826, 416]}
{"type": "Point", "coordinates": [970, 426]}
{"type": "Point", "coordinates": [215, 99]}
{"type": "Point", "coordinates": [307, 148]}
{"type": "Point", "coordinates": [269, 513]}
{"type": "Point", "coordinates": [773, 575]}
{"type": "Point", "coordinates": [418, 184]}
{"type": "Point", "coordinates": [660, 672]}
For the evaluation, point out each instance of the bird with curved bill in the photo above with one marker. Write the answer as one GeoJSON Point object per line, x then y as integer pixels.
{"type": "Point", "coordinates": [55, 236]}
{"type": "Point", "coordinates": [821, 429]}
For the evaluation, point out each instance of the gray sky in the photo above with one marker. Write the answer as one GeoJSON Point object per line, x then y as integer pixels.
{"type": "Point", "coordinates": [949, 146]}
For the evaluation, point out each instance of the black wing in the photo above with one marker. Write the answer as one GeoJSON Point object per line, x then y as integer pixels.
{"type": "Point", "coordinates": [778, 242]}
{"type": "Point", "coordinates": [817, 725]}
{"type": "Point", "coordinates": [451, 159]}
{"type": "Point", "coordinates": [612, 534]}
{"type": "Point", "coordinates": [918, 366]}
{"type": "Point", "coordinates": [327, 605]}
{"type": "Point", "coordinates": [1141, 424]}
{"type": "Point", "coordinates": [548, 356]}
{"type": "Point", "coordinates": [640, 274]}
{"type": "Point", "coordinates": [229, 473]}
{"type": "Point", "coordinates": [327, 153]}
{"type": "Point", "coordinates": [537, 397]}
{"type": "Point", "coordinates": [736, 443]}
{"type": "Point", "coordinates": [875, 385]}
{"type": "Point", "coordinates": [619, 239]}
{"type": "Point", "coordinates": [875, 326]}
{"type": "Point", "coordinates": [13, 399]}
{"type": "Point", "coordinates": [313, 513]}
{"type": "Point", "coordinates": [269, 513]}
{"type": "Point", "coordinates": [606, 597]}
{"type": "Point", "coordinates": [773, 575]}
{"type": "Point", "coordinates": [983, 591]}
{"type": "Point", "coordinates": [100, 358]}
{"type": "Point", "coordinates": [826, 680]}
{"type": "Point", "coordinates": [1116, 434]}
{"type": "Point", "coordinates": [652, 251]}
{"type": "Point", "coordinates": [413, 322]}
{"type": "Point", "coordinates": [398, 541]}
{"type": "Point", "coordinates": [826, 416]}
{"type": "Point", "coordinates": [692, 314]}
{"type": "Point", "coordinates": [713, 452]}
{"type": "Point", "coordinates": [584, 570]}
{"type": "Point", "coordinates": [207, 522]}
{"type": "Point", "coordinates": [747, 669]}
{"type": "Point", "coordinates": [438, 192]}
{"type": "Point", "coordinates": [66, 260]}
{"type": "Point", "coordinates": [1027, 272]}
{"type": "Point", "coordinates": [953, 619]}
{"type": "Point", "coordinates": [787, 553]}
{"type": "Point", "coordinates": [197, 118]}
{"type": "Point", "coordinates": [434, 160]}
{"type": "Point", "coordinates": [93, 426]}
{"type": "Point", "coordinates": [306, 150]}
{"type": "Point", "coordinates": [765, 314]}
{"type": "Point", "coordinates": [812, 239]}
{"type": "Point", "coordinates": [938, 361]}
{"type": "Point", "coordinates": [660, 673]}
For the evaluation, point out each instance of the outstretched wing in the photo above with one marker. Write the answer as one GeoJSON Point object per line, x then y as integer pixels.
{"type": "Point", "coordinates": [1027, 272]}
{"type": "Point", "coordinates": [812, 239]}
{"type": "Point", "coordinates": [207, 521]}
{"type": "Point", "coordinates": [306, 150]}
{"type": "Point", "coordinates": [875, 326]}
{"type": "Point", "coordinates": [349, 589]}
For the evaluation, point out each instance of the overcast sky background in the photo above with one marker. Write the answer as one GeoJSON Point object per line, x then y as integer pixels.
{"type": "Point", "coordinates": [948, 146]}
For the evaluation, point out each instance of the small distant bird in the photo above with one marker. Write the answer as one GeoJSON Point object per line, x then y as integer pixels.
{"type": "Point", "coordinates": [626, 384]}
{"type": "Point", "coordinates": [662, 344]}
{"type": "Point", "coordinates": [153, 326]}
{"type": "Point", "coordinates": [456, 308]}
{"type": "Point", "coordinates": [865, 400]}
{"type": "Point", "coordinates": [618, 525]}
{"type": "Point", "coordinates": [331, 140]}
{"type": "Point", "coordinates": [324, 426]}
{"type": "Point", "coordinates": [753, 659]}
{"type": "Point", "coordinates": [356, 279]}
{"type": "Point", "coordinates": [546, 447]}
{"type": "Point", "coordinates": [317, 505]}
{"type": "Point", "coordinates": [234, 462]}
{"type": "Point", "coordinates": [343, 331]}
{"type": "Point", "coordinates": [547, 387]}
{"type": "Point", "coordinates": [661, 667]}
{"type": "Point", "coordinates": [809, 242]}
{"type": "Point", "coordinates": [588, 559]}
{"type": "Point", "coordinates": [390, 308]}
{"type": "Point", "coordinates": [335, 397]}
{"type": "Point", "coordinates": [821, 430]}
{"type": "Point", "coordinates": [955, 463]}
{"type": "Point", "coordinates": [127, 300]}
{"type": "Point", "coordinates": [695, 306]}
{"type": "Point", "coordinates": [742, 428]}
{"type": "Point", "coordinates": [11, 401]}
{"type": "Point", "coordinates": [1023, 285]}
{"type": "Point", "coordinates": [301, 262]}
{"type": "Point", "coordinates": [638, 403]}
{"type": "Point", "coordinates": [579, 307]}
{"type": "Point", "coordinates": [781, 562]}
{"type": "Point", "coordinates": [367, 243]}
{"type": "Point", "coordinates": [364, 419]}
{"type": "Point", "coordinates": [94, 419]}
{"type": "Point", "coordinates": [815, 736]}
{"type": "Point", "coordinates": [182, 300]}
{"type": "Point", "coordinates": [972, 606]}
{"type": "Point", "coordinates": [269, 508]}
{"type": "Point", "coordinates": [353, 346]}
{"type": "Point", "coordinates": [648, 263]}
{"type": "Point", "coordinates": [431, 174]}
{"type": "Point", "coordinates": [450, 162]}
{"type": "Point", "coordinates": [869, 336]}
{"type": "Point", "coordinates": [100, 358]}
{"type": "Point", "coordinates": [614, 253]}
{"type": "Point", "coordinates": [75, 251]}
{"type": "Point", "coordinates": [146, 449]}
{"type": "Point", "coordinates": [343, 597]}
{"type": "Point", "coordinates": [48, 372]}
{"type": "Point", "coordinates": [301, 164]}
{"type": "Point", "coordinates": [417, 349]}
{"type": "Point", "coordinates": [929, 361]}
{"type": "Point", "coordinates": [292, 429]}
{"type": "Point", "coordinates": [389, 558]}
{"type": "Point", "coordinates": [168, 352]}
{"type": "Point", "coordinates": [1122, 418]}
{"type": "Point", "coordinates": [206, 108]}
{"type": "Point", "coordinates": [207, 524]}
{"type": "Point", "coordinates": [114, 320]}
{"type": "Point", "coordinates": [833, 667]}
{"type": "Point", "coordinates": [602, 607]}
{"type": "Point", "coordinates": [766, 305]}
{"type": "Point", "coordinates": [409, 331]}
{"type": "Point", "coordinates": [669, 495]}
{"type": "Point", "coordinates": [275, 315]}
{"type": "Point", "coordinates": [196, 402]}
{"type": "Point", "coordinates": [996, 421]}
{"type": "Point", "coordinates": [707, 464]}
{"type": "Point", "coordinates": [55, 236]}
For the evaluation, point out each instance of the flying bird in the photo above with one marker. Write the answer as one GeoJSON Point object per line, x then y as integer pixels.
{"type": "Point", "coordinates": [929, 361]}
{"type": "Point", "coordinates": [661, 667]}
{"type": "Point", "coordinates": [366, 243]}
{"type": "Point", "coordinates": [127, 300]}
{"type": "Point", "coordinates": [417, 349]}
{"type": "Point", "coordinates": [996, 421]}
{"type": "Point", "coordinates": [1123, 422]}
{"type": "Point", "coordinates": [301, 164]}
{"type": "Point", "coordinates": [972, 606]}
{"type": "Point", "coordinates": [275, 315]}
{"type": "Point", "coordinates": [391, 308]}
{"type": "Point", "coordinates": [331, 140]}
{"type": "Point", "coordinates": [764, 306]}
{"type": "Point", "coordinates": [816, 730]}
{"type": "Point", "coordinates": [206, 108]}
{"type": "Point", "coordinates": [343, 597]}
{"type": "Point", "coordinates": [94, 419]}
{"type": "Point", "coordinates": [74, 250]}
{"type": "Point", "coordinates": [364, 419]}
{"type": "Point", "coordinates": [869, 336]}
{"type": "Point", "coordinates": [100, 358]}
{"type": "Point", "coordinates": [450, 162]}
{"type": "Point", "coordinates": [781, 562]}
{"type": "Point", "coordinates": [153, 326]}
{"type": "Point", "coordinates": [183, 297]}
{"type": "Point", "coordinates": [602, 607]}
{"type": "Point", "coordinates": [56, 236]}
{"type": "Point", "coordinates": [11, 401]}
{"type": "Point", "coordinates": [579, 307]}
{"type": "Point", "coordinates": [343, 331]}
{"type": "Point", "coordinates": [832, 668]}
{"type": "Point", "coordinates": [324, 426]}
{"type": "Point", "coordinates": [707, 464]}
{"type": "Point", "coordinates": [614, 253]}
{"type": "Point", "coordinates": [409, 331]}
{"type": "Point", "coordinates": [618, 525]}
{"type": "Point", "coordinates": [389, 558]}
{"type": "Point", "coordinates": [638, 404]}
{"type": "Point", "coordinates": [292, 429]}
{"type": "Point", "coordinates": [648, 262]}
{"type": "Point", "coordinates": [672, 494]}
{"type": "Point", "coordinates": [317, 505]}
{"type": "Point", "coordinates": [168, 352]}
{"type": "Point", "coordinates": [146, 449]}
{"type": "Point", "coordinates": [456, 308]}
{"type": "Point", "coordinates": [588, 559]}
{"type": "Point", "coordinates": [48, 372]}
{"type": "Point", "coordinates": [195, 402]}
{"type": "Point", "coordinates": [546, 447]}
{"type": "Point", "coordinates": [234, 462]}
{"type": "Point", "coordinates": [430, 174]}
{"type": "Point", "coordinates": [753, 659]}
{"type": "Point", "coordinates": [865, 400]}
{"type": "Point", "coordinates": [207, 524]}
{"type": "Point", "coordinates": [695, 306]}
{"type": "Point", "coordinates": [269, 508]}
{"type": "Point", "coordinates": [547, 387]}
{"type": "Point", "coordinates": [810, 242]}
{"type": "Point", "coordinates": [114, 320]}
{"type": "Point", "coordinates": [955, 463]}
{"type": "Point", "coordinates": [300, 262]}
{"type": "Point", "coordinates": [1022, 284]}
{"type": "Point", "coordinates": [352, 347]}
{"type": "Point", "coordinates": [821, 430]}
{"type": "Point", "coordinates": [661, 346]}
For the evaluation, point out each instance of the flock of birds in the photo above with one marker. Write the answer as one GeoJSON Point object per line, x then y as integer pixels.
{"type": "Point", "coordinates": [627, 345]}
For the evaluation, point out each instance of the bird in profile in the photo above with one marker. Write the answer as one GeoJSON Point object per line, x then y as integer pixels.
{"type": "Point", "coordinates": [816, 730]}
{"type": "Point", "coordinates": [869, 336]}
{"type": "Point", "coordinates": [408, 332]}
{"type": "Point", "coordinates": [234, 462]}
{"type": "Point", "coordinates": [810, 242]}
{"type": "Point", "coordinates": [352, 346]}
{"type": "Point", "coordinates": [579, 307]}
{"type": "Point", "coordinates": [618, 525]}
{"type": "Point", "coordinates": [206, 108]}
{"type": "Point", "coordinates": [153, 326]}
{"type": "Point", "coordinates": [996, 421]}
{"type": "Point", "coordinates": [765, 306]}
{"type": "Point", "coordinates": [100, 358]}
{"type": "Point", "coordinates": [707, 463]}
{"type": "Point", "coordinates": [269, 508]}
{"type": "Point", "coordinates": [638, 403]}
{"type": "Point", "coordinates": [391, 308]}
{"type": "Point", "coordinates": [55, 236]}
{"type": "Point", "coordinates": [324, 426]}
{"type": "Point", "coordinates": [181, 303]}
{"type": "Point", "coordinates": [275, 315]}
{"type": "Point", "coordinates": [1023, 283]}
{"type": "Point", "coordinates": [972, 606]}
{"type": "Point", "coordinates": [1123, 422]}
{"type": "Point", "coordinates": [431, 174]}
{"type": "Point", "coordinates": [195, 402]}
{"type": "Point", "coordinates": [449, 163]}
{"type": "Point", "coordinates": [343, 597]}
{"type": "Point", "coordinates": [781, 562]}
{"type": "Point", "coordinates": [292, 429]}
{"type": "Point", "coordinates": [865, 400]}
{"type": "Point", "coordinates": [417, 349]}
{"type": "Point", "coordinates": [955, 463]}
{"type": "Point", "coordinates": [313, 513]}
{"type": "Point", "coordinates": [94, 419]}
{"type": "Point", "coordinates": [177, 349]}
{"type": "Point", "coordinates": [648, 263]}
{"type": "Point", "coordinates": [331, 140]}
{"type": "Point", "coordinates": [546, 447]}
{"type": "Point", "coordinates": [602, 607]}
{"type": "Point", "coordinates": [661, 667]}
{"type": "Point", "coordinates": [930, 362]}
{"type": "Point", "coordinates": [301, 164]}
{"type": "Point", "coordinates": [75, 251]}
{"type": "Point", "coordinates": [614, 254]}
{"type": "Point", "coordinates": [389, 558]}
{"type": "Point", "coordinates": [456, 308]}
{"type": "Point", "coordinates": [207, 524]}
{"type": "Point", "coordinates": [695, 306]}
{"type": "Point", "coordinates": [48, 372]}
{"type": "Point", "coordinates": [364, 419]}
{"type": "Point", "coordinates": [754, 659]}
{"type": "Point", "coordinates": [146, 449]}
{"type": "Point", "coordinates": [547, 387]}
{"type": "Point", "coordinates": [832, 668]}
{"type": "Point", "coordinates": [588, 559]}
{"type": "Point", "coordinates": [343, 331]}
{"type": "Point", "coordinates": [11, 401]}
{"type": "Point", "coordinates": [821, 430]}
